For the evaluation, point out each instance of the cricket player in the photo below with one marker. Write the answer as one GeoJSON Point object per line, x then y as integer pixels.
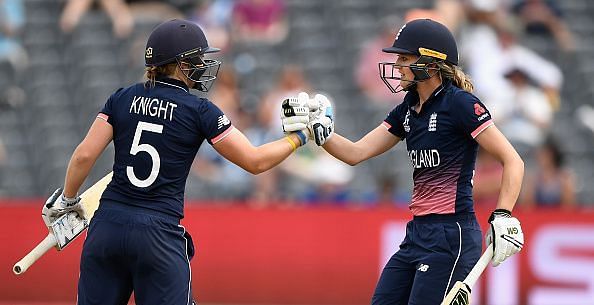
{"type": "Point", "coordinates": [135, 241]}
{"type": "Point", "coordinates": [443, 125]}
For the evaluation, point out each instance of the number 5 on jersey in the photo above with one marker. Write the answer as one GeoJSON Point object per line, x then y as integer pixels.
{"type": "Point", "coordinates": [137, 147]}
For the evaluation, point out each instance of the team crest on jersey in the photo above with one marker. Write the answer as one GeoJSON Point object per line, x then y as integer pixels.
{"type": "Point", "coordinates": [405, 124]}
{"type": "Point", "coordinates": [432, 122]}
{"type": "Point", "coordinates": [222, 121]}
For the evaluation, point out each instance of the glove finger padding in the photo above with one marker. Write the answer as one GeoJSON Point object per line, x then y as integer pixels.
{"type": "Point", "coordinates": [295, 113]}
{"type": "Point", "coordinates": [322, 130]}
{"type": "Point", "coordinates": [296, 106]}
{"type": "Point", "coordinates": [47, 214]}
{"type": "Point", "coordinates": [322, 121]}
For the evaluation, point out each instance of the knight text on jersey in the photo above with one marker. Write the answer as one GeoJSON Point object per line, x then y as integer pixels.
{"type": "Point", "coordinates": [153, 107]}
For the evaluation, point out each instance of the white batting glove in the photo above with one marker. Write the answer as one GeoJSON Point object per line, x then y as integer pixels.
{"type": "Point", "coordinates": [57, 205]}
{"type": "Point", "coordinates": [295, 113]}
{"type": "Point", "coordinates": [508, 236]}
{"type": "Point", "coordinates": [321, 121]}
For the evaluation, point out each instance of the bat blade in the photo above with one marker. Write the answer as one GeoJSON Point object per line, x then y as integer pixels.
{"type": "Point", "coordinates": [66, 228]}
{"type": "Point", "coordinates": [460, 292]}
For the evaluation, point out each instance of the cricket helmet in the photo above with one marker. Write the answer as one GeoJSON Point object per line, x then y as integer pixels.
{"type": "Point", "coordinates": [183, 41]}
{"type": "Point", "coordinates": [426, 38]}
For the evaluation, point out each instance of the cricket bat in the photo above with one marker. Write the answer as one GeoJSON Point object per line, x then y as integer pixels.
{"type": "Point", "coordinates": [66, 228]}
{"type": "Point", "coordinates": [460, 293]}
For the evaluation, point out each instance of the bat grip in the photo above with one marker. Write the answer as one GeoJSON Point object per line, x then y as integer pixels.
{"type": "Point", "coordinates": [21, 266]}
{"type": "Point", "coordinates": [479, 267]}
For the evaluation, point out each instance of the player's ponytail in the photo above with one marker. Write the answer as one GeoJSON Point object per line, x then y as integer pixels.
{"type": "Point", "coordinates": [456, 75]}
{"type": "Point", "coordinates": [153, 72]}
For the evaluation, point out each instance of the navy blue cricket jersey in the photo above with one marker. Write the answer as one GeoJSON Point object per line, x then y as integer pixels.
{"type": "Point", "coordinates": [156, 133]}
{"type": "Point", "coordinates": [441, 146]}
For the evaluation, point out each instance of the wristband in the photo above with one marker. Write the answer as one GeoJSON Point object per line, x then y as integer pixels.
{"type": "Point", "coordinates": [302, 137]}
{"type": "Point", "coordinates": [293, 145]}
{"type": "Point", "coordinates": [499, 213]}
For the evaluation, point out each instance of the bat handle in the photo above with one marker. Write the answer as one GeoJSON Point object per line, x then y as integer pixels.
{"type": "Point", "coordinates": [21, 266]}
{"type": "Point", "coordinates": [480, 266]}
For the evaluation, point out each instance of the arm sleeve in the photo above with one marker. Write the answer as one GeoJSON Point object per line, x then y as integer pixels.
{"type": "Point", "coordinates": [106, 113]}
{"type": "Point", "coordinates": [396, 119]}
{"type": "Point", "coordinates": [470, 114]}
{"type": "Point", "coordinates": [214, 124]}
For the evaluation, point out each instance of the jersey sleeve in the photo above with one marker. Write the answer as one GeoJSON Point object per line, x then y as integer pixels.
{"type": "Point", "coordinates": [471, 114]}
{"type": "Point", "coordinates": [395, 120]}
{"type": "Point", "coordinates": [106, 113]}
{"type": "Point", "coordinates": [214, 124]}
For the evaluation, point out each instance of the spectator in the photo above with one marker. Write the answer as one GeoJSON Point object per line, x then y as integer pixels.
{"type": "Point", "coordinates": [526, 117]}
{"type": "Point", "coordinates": [490, 50]}
{"type": "Point", "coordinates": [259, 21]}
{"type": "Point", "coordinates": [13, 57]}
{"type": "Point", "coordinates": [117, 10]}
{"type": "Point", "coordinates": [550, 185]}
{"type": "Point", "coordinates": [3, 156]}
{"type": "Point", "coordinates": [290, 82]}
{"type": "Point", "coordinates": [366, 72]}
{"type": "Point", "coordinates": [544, 17]}
{"type": "Point", "coordinates": [213, 17]}
{"type": "Point", "coordinates": [585, 114]}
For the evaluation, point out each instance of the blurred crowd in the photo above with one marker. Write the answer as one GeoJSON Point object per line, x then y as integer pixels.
{"type": "Point", "coordinates": [522, 89]}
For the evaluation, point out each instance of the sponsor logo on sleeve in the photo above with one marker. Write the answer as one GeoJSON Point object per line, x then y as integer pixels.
{"type": "Point", "coordinates": [223, 121]}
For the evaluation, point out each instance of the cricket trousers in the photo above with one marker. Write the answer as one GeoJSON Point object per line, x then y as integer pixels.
{"type": "Point", "coordinates": [437, 251]}
{"type": "Point", "coordinates": [127, 250]}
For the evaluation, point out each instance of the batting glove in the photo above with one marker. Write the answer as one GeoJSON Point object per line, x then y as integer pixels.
{"type": "Point", "coordinates": [57, 205]}
{"type": "Point", "coordinates": [321, 124]}
{"type": "Point", "coordinates": [295, 113]}
{"type": "Point", "coordinates": [505, 234]}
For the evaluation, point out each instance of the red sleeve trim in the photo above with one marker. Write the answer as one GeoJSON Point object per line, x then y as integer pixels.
{"type": "Point", "coordinates": [103, 116]}
{"type": "Point", "coordinates": [480, 129]}
{"type": "Point", "coordinates": [221, 136]}
{"type": "Point", "coordinates": [387, 125]}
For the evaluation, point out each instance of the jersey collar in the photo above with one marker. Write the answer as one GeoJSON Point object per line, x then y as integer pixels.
{"type": "Point", "coordinates": [171, 82]}
{"type": "Point", "coordinates": [412, 97]}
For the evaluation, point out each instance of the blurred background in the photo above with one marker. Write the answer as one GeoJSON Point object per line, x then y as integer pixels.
{"type": "Point", "coordinates": [323, 235]}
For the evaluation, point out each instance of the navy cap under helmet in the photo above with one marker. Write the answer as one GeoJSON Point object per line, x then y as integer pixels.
{"type": "Point", "coordinates": [425, 37]}
{"type": "Point", "coordinates": [175, 39]}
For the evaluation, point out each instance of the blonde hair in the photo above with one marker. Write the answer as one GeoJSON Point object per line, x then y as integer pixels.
{"type": "Point", "coordinates": [151, 73]}
{"type": "Point", "coordinates": [456, 75]}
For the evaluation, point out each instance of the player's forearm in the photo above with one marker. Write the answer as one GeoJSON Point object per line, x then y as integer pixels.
{"type": "Point", "coordinates": [343, 149]}
{"type": "Point", "coordinates": [78, 169]}
{"type": "Point", "coordinates": [271, 154]}
{"type": "Point", "coordinates": [511, 182]}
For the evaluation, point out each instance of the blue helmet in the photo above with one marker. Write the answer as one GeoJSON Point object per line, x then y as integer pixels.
{"type": "Point", "coordinates": [183, 41]}
{"type": "Point", "coordinates": [426, 38]}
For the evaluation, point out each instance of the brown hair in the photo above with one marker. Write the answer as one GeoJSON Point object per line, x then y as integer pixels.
{"type": "Point", "coordinates": [151, 73]}
{"type": "Point", "coordinates": [456, 75]}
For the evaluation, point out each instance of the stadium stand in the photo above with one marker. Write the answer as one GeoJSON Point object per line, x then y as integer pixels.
{"type": "Point", "coordinates": [71, 75]}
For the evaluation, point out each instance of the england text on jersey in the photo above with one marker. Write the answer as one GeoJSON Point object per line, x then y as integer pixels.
{"type": "Point", "coordinates": [153, 107]}
{"type": "Point", "coordinates": [423, 158]}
